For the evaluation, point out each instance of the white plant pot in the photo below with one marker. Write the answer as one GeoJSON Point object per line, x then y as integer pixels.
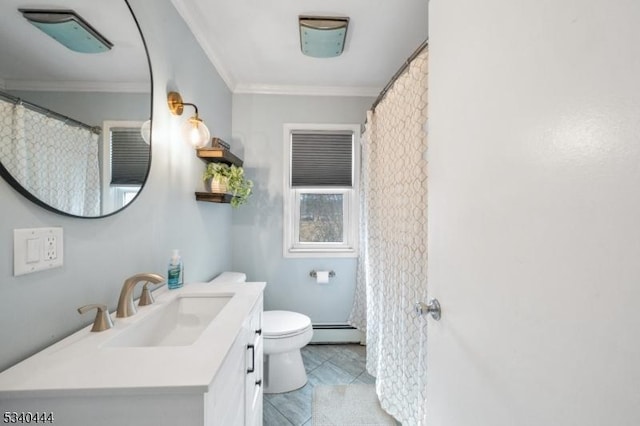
{"type": "Point", "coordinates": [218, 186]}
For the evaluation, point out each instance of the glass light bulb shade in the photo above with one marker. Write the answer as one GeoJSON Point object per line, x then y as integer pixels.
{"type": "Point", "coordinates": [195, 132]}
{"type": "Point", "coordinates": [145, 131]}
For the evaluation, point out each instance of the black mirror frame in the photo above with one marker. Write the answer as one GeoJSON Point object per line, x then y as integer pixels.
{"type": "Point", "coordinates": [24, 192]}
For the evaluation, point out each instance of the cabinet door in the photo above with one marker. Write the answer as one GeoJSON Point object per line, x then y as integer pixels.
{"type": "Point", "coordinates": [224, 403]}
{"type": "Point", "coordinates": [253, 381]}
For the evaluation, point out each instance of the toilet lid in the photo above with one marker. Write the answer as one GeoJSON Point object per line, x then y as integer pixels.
{"type": "Point", "coordinates": [281, 323]}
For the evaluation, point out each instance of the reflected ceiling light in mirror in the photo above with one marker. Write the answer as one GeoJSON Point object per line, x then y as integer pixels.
{"type": "Point", "coordinates": [322, 36]}
{"type": "Point", "coordinates": [194, 130]}
{"type": "Point", "coordinates": [69, 29]}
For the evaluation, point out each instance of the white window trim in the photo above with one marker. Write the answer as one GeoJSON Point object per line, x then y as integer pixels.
{"type": "Point", "coordinates": [291, 247]}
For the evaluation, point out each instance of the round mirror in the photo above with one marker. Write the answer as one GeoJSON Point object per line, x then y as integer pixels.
{"type": "Point", "coordinates": [75, 104]}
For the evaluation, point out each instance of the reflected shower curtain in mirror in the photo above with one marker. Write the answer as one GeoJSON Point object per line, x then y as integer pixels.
{"type": "Point", "coordinates": [392, 266]}
{"type": "Point", "coordinates": [55, 161]}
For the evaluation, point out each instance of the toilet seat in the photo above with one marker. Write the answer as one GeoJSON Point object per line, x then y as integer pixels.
{"type": "Point", "coordinates": [283, 324]}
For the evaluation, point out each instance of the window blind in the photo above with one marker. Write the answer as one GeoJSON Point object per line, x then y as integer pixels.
{"type": "Point", "coordinates": [129, 156]}
{"type": "Point", "coordinates": [321, 158]}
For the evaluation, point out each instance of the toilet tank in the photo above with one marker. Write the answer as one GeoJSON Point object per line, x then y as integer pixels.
{"type": "Point", "coordinates": [230, 277]}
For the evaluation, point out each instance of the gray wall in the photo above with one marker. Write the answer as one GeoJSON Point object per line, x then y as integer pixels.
{"type": "Point", "coordinates": [257, 227]}
{"type": "Point", "coordinates": [91, 108]}
{"type": "Point", "coordinates": [39, 309]}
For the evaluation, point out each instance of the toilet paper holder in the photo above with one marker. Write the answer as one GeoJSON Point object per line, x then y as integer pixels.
{"type": "Point", "coordinates": [314, 274]}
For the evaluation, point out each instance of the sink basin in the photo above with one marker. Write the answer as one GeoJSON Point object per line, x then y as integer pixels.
{"type": "Point", "coordinates": [179, 323]}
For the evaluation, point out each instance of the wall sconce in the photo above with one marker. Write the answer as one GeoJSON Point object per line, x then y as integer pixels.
{"type": "Point", "coordinates": [194, 130]}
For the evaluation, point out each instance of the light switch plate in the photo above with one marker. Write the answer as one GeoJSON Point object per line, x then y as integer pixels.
{"type": "Point", "coordinates": [36, 249]}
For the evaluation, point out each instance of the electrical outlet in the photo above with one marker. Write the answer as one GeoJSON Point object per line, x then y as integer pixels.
{"type": "Point", "coordinates": [51, 248]}
{"type": "Point", "coordinates": [36, 249]}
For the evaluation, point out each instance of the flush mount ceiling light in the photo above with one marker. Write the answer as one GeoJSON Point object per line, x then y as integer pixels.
{"type": "Point", "coordinates": [322, 36]}
{"type": "Point", "coordinates": [69, 29]}
{"type": "Point", "coordinates": [194, 130]}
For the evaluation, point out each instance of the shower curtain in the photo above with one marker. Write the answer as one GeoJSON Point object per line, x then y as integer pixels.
{"type": "Point", "coordinates": [392, 267]}
{"type": "Point", "coordinates": [56, 162]}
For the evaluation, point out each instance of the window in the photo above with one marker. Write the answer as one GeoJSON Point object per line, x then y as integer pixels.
{"type": "Point", "coordinates": [321, 190]}
{"type": "Point", "coordinates": [125, 163]}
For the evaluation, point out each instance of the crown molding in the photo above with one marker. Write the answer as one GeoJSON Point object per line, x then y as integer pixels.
{"type": "Point", "coordinates": [78, 86]}
{"type": "Point", "coordinates": [195, 27]}
{"type": "Point", "coordinates": [266, 89]}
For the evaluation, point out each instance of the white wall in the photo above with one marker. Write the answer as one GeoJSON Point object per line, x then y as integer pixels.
{"type": "Point", "coordinates": [534, 154]}
{"type": "Point", "coordinates": [39, 309]}
{"type": "Point", "coordinates": [257, 227]}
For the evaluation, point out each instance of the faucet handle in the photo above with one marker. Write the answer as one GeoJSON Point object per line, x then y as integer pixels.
{"type": "Point", "coordinates": [102, 321]}
{"type": "Point", "coordinates": [146, 298]}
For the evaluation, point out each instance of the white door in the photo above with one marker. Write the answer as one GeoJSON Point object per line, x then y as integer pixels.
{"type": "Point", "coordinates": [534, 213]}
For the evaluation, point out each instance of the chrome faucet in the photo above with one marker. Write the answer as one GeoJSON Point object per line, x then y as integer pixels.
{"type": "Point", "coordinates": [126, 308]}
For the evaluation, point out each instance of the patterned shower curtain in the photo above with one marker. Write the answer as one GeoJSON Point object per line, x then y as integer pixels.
{"type": "Point", "coordinates": [56, 162]}
{"type": "Point", "coordinates": [392, 267]}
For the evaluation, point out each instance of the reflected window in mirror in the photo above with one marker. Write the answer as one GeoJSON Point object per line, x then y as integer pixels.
{"type": "Point", "coordinates": [125, 162]}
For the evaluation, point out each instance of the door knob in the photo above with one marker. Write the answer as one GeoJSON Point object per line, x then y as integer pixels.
{"type": "Point", "coordinates": [433, 308]}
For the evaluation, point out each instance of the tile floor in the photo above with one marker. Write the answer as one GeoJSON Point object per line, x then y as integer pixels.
{"type": "Point", "coordinates": [325, 364]}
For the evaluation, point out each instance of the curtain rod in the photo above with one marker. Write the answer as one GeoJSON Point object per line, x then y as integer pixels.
{"type": "Point", "coordinates": [398, 73]}
{"type": "Point", "coordinates": [49, 113]}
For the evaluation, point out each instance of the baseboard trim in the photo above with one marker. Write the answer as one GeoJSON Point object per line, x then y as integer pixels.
{"type": "Point", "coordinates": [336, 333]}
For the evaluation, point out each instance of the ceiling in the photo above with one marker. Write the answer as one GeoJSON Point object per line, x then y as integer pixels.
{"type": "Point", "coordinates": [255, 46]}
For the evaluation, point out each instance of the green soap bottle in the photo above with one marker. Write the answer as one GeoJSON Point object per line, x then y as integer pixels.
{"type": "Point", "coordinates": [176, 271]}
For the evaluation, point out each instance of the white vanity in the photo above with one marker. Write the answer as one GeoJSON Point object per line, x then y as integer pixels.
{"type": "Point", "coordinates": [192, 358]}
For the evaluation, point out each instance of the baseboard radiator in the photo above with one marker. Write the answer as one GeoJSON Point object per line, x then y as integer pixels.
{"type": "Point", "coordinates": [336, 333]}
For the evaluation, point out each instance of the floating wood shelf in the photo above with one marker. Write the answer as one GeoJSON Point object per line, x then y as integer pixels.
{"type": "Point", "coordinates": [216, 155]}
{"type": "Point", "coordinates": [213, 197]}
{"type": "Point", "coordinates": [219, 156]}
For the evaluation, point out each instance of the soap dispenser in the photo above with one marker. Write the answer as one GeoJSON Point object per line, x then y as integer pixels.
{"type": "Point", "coordinates": [176, 271]}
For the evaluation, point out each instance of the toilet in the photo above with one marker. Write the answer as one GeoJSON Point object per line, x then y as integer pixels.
{"type": "Point", "coordinates": [284, 334]}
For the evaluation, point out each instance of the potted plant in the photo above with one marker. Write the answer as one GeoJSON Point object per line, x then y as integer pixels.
{"type": "Point", "coordinates": [229, 180]}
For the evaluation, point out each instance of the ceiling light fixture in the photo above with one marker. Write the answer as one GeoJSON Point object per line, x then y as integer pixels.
{"type": "Point", "coordinates": [69, 29]}
{"type": "Point", "coordinates": [322, 36]}
{"type": "Point", "coordinates": [194, 130]}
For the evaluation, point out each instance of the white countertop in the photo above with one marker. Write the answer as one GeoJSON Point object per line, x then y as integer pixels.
{"type": "Point", "coordinates": [81, 365]}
